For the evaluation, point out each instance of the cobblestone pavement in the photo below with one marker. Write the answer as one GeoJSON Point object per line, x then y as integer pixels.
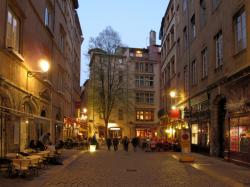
{"type": "Point", "coordinates": [120, 169]}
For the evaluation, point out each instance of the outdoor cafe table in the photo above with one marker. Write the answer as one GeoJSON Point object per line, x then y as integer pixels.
{"type": "Point", "coordinates": [21, 164]}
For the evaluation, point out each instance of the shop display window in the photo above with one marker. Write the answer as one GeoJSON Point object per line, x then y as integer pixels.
{"type": "Point", "coordinates": [195, 134]}
{"type": "Point", "coordinates": [240, 135]}
{"type": "Point", "coordinates": [234, 139]}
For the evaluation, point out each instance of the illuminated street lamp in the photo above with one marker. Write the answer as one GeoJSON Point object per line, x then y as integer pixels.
{"type": "Point", "coordinates": [173, 107]}
{"type": "Point", "coordinates": [172, 94]}
{"type": "Point", "coordinates": [85, 110]}
{"type": "Point", "coordinates": [44, 67]}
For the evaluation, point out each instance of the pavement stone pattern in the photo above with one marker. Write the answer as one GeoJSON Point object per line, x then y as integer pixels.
{"type": "Point", "coordinates": [135, 169]}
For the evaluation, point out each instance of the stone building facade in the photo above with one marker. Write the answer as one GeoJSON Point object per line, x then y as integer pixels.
{"type": "Point", "coordinates": [31, 102]}
{"type": "Point", "coordinates": [136, 115]}
{"type": "Point", "coordinates": [213, 67]}
{"type": "Point", "coordinates": [143, 70]}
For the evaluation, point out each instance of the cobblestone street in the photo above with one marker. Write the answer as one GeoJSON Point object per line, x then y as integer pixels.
{"type": "Point", "coordinates": [104, 168]}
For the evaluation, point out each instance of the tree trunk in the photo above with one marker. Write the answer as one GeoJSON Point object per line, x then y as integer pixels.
{"type": "Point", "coordinates": [106, 130]}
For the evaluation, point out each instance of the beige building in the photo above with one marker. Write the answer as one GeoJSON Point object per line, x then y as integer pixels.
{"type": "Point", "coordinates": [169, 80]}
{"type": "Point", "coordinates": [31, 102]}
{"type": "Point", "coordinates": [136, 113]}
{"type": "Point", "coordinates": [213, 67]}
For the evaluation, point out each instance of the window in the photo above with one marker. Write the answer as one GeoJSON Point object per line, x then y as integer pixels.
{"type": "Point", "coordinates": [120, 114]}
{"type": "Point", "coordinates": [219, 49]}
{"type": "Point", "coordinates": [240, 31]}
{"type": "Point", "coordinates": [144, 81]}
{"type": "Point", "coordinates": [172, 36]}
{"type": "Point", "coordinates": [62, 41]}
{"type": "Point", "coordinates": [215, 3]}
{"type": "Point", "coordinates": [120, 76]}
{"type": "Point", "coordinates": [194, 73]}
{"type": "Point", "coordinates": [185, 38]}
{"type": "Point", "coordinates": [202, 12]}
{"type": "Point", "coordinates": [204, 63]}
{"type": "Point", "coordinates": [62, 4]}
{"type": "Point", "coordinates": [239, 135]}
{"type": "Point", "coordinates": [195, 134]}
{"type": "Point", "coordinates": [144, 115]}
{"type": "Point", "coordinates": [193, 29]}
{"type": "Point", "coordinates": [48, 18]}
{"type": "Point", "coordinates": [13, 32]}
{"type": "Point", "coordinates": [145, 97]}
{"type": "Point", "coordinates": [185, 79]}
{"type": "Point", "coordinates": [149, 68]}
{"type": "Point", "coordinates": [138, 54]}
{"type": "Point", "coordinates": [184, 5]}
{"type": "Point", "coordinates": [60, 81]}
{"type": "Point", "coordinates": [172, 67]}
{"type": "Point", "coordinates": [172, 10]}
{"type": "Point", "coordinates": [168, 42]}
{"type": "Point", "coordinates": [144, 67]}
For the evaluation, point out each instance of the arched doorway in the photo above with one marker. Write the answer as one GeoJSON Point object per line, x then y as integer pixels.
{"type": "Point", "coordinates": [5, 127]}
{"type": "Point", "coordinates": [221, 126]}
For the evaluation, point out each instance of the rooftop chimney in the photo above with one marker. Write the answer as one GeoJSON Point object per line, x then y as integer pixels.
{"type": "Point", "coordinates": [152, 38]}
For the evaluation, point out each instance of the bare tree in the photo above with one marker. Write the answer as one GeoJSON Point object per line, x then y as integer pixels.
{"type": "Point", "coordinates": [108, 75]}
{"type": "Point", "coordinates": [107, 40]}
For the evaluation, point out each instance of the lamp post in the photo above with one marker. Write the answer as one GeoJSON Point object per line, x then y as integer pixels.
{"type": "Point", "coordinates": [84, 116]}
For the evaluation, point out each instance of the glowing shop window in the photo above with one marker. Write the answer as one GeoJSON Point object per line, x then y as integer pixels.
{"type": "Point", "coordinates": [195, 134]}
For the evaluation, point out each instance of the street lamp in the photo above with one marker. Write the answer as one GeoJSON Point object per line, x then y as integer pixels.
{"type": "Point", "coordinates": [172, 94]}
{"type": "Point", "coordinates": [44, 67]}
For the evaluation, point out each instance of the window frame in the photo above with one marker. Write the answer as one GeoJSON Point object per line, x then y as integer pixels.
{"type": "Point", "coordinates": [14, 38]}
{"type": "Point", "coordinates": [219, 49]}
{"type": "Point", "coordinates": [242, 43]}
{"type": "Point", "coordinates": [194, 72]}
{"type": "Point", "coordinates": [204, 60]}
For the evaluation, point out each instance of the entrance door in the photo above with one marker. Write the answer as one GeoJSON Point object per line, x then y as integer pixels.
{"type": "Point", "coordinates": [2, 135]}
{"type": "Point", "coordinates": [221, 121]}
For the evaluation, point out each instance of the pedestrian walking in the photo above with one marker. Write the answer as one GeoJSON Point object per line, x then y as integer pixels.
{"type": "Point", "coordinates": [125, 143]}
{"type": "Point", "coordinates": [109, 142]}
{"type": "Point", "coordinates": [115, 143]}
{"type": "Point", "coordinates": [135, 142]}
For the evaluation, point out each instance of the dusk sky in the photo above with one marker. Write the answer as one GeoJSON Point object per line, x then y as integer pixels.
{"type": "Point", "coordinates": [132, 19]}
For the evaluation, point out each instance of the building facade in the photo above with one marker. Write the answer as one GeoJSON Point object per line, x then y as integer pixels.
{"type": "Point", "coordinates": [213, 67]}
{"type": "Point", "coordinates": [135, 114]}
{"type": "Point", "coordinates": [143, 70]}
{"type": "Point", "coordinates": [31, 102]}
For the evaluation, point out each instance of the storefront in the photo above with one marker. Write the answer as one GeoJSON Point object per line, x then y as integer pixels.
{"type": "Point", "coordinates": [200, 137]}
{"type": "Point", "coordinates": [200, 125]}
{"type": "Point", "coordinates": [143, 132]}
{"type": "Point", "coordinates": [240, 137]}
{"type": "Point", "coordinates": [71, 128]}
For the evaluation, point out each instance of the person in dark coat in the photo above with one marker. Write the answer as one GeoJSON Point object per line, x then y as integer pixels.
{"type": "Point", "coordinates": [109, 143]}
{"type": "Point", "coordinates": [115, 143]}
{"type": "Point", "coordinates": [135, 142]}
{"type": "Point", "coordinates": [125, 143]}
{"type": "Point", "coordinates": [40, 146]}
{"type": "Point", "coordinates": [32, 144]}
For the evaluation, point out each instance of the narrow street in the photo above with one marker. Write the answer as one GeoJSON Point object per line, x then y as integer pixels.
{"type": "Point", "coordinates": [104, 168]}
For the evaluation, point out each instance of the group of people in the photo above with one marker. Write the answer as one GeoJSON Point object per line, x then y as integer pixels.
{"type": "Point", "coordinates": [44, 143]}
{"type": "Point", "coordinates": [125, 142]}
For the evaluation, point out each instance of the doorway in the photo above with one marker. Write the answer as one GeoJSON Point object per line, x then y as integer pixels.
{"type": "Point", "coordinates": [221, 125]}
